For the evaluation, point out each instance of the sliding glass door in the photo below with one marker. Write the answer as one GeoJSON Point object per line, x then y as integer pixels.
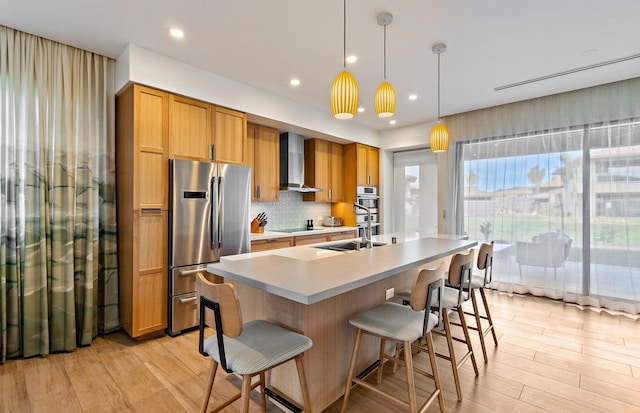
{"type": "Point", "coordinates": [563, 208]}
{"type": "Point", "coordinates": [614, 206]}
{"type": "Point", "coordinates": [415, 197]}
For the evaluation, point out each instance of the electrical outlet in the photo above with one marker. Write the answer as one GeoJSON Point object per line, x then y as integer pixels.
{"type": "Point", "coordinates": [389, 293]}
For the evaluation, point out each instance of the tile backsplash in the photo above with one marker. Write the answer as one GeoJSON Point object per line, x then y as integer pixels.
{"type": "Point", "coordinates": [290, 211]}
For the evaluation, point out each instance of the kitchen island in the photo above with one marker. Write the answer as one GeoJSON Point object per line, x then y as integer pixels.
{"type": "Point", "coordinates": [314, 291]}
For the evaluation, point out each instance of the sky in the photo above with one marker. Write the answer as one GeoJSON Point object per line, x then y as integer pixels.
{"type": "Point", "coordinates": [504, 173]}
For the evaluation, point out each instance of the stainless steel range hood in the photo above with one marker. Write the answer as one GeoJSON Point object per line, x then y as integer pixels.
{"type": "Point", "coordinates": [292, 163]}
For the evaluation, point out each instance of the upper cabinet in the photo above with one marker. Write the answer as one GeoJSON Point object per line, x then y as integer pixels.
{"type": "Point", "coordinates": [201, 131]}
{"type": "Point", "coordinates": [189, 129]}
{"type": "Point", "coordinates": [367, 165]}
{"type": "Point", "coordinates": [230, 136]}
{"type": "Point", "coordinates": [143, 147]}
{"type": "Point", "coordinates": [263, 145]}
{"type": "Point", "coordinates": [323, 169]}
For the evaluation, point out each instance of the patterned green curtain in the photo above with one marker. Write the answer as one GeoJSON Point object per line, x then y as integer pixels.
{"type": "Point", "coordinates": [58, 263]}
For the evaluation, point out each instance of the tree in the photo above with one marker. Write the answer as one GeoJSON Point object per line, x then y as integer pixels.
{"type": "Point", "coordinates": [568, 170]}
{"type": "Point", "coordinates": [536, 175]}
{"type": "Point", "coordinates": [472, 178]}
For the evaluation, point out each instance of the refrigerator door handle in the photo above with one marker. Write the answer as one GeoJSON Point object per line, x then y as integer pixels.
{"type": "Point", "coordinates": [191, 272]}
{"type": "Point", "coordinates": [220, 210]}
{"type": "Point", "coordinates": [215, 216]}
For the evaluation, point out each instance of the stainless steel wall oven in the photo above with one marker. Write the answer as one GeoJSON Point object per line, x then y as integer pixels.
{"type": "Point", "coordinates": [367, 196]}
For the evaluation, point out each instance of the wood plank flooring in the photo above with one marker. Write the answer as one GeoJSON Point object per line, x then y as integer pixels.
{"type": "Point", "coordinates": [551, 357]}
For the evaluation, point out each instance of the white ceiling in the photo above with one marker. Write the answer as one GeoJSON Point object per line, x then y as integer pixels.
{"type": "Point", "coordinates": [264, 43]}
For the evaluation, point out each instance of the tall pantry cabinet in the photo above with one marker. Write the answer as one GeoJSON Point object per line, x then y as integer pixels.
{"type": "Point", "coordinates": [142, 184]}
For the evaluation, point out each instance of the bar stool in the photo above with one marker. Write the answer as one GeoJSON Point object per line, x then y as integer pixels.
{"type": "Point", "coordinates": [454, 295]}
{"type": "Point", "coordinates": [479, 282]}
{"type": "Point", "coordinates": [248, 349]}
{"type": "Point", "coordinates": [402, 325]}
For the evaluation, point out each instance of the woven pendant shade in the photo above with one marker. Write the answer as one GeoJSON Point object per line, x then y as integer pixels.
{"type": "Point", "coordinates": [439, 138]}
{"type": "Point", "coordinates": [344, 96]}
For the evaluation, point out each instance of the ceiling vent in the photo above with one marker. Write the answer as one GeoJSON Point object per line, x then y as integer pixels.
{"type": "Point", "coordinates": [568, 72]}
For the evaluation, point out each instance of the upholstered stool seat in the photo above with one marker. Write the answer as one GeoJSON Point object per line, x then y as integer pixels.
{"type": "Point", "coordinates": [394, 321]}
{"type": "Point", "coordinates": [261, 346]}
{"type": "Point", "coordinates": [450, 297]}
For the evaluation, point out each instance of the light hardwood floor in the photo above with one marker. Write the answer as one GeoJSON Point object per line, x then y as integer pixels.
{"type": "Point", "coordinates": [551, 357]}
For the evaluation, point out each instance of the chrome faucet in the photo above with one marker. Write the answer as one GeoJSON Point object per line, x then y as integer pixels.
{"type": "Point", "coordinates": [366, 237]}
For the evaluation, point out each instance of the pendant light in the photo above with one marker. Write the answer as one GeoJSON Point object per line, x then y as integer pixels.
{"type": "Point", "coordinates": [439, 138]}
{"type": "Point", "coordinates": [385, 97]}
{"type": "Point", "coordinates": [344, 91]}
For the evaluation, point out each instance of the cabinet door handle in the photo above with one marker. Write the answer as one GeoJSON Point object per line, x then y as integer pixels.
{"type": "Point", "coordinates": [258, 191]}
{"type": "Point", "coordinates": [212, 152]}
{"type": "Point", "coordinates": [187, 300]}
{"type": "Point", "coordinates": [330, 194]}
{"type": "Point", "coordinates": [151, 210]}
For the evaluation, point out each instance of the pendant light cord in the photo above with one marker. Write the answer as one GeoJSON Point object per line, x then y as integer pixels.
{"type": "Point", "coordinates": [385, 52]}
{"type": "Point", "coordinates": [344, 35]}
{"type": "Point", "coordinates": [438, 87]}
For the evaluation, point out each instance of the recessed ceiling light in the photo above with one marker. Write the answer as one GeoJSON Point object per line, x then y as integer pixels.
{"type": "Point", "coordinates": [392, 122]}
{"type": "Point", "coordinates": [413, 96]}
{"type": "Point", "coordinates": [360, 109]}
{"type": "Point", "coordinates": [294, 82]}
{"type": "Point", "coordinates": [352, 59]}
{"type": "Point", "coordinates": [177, 33]}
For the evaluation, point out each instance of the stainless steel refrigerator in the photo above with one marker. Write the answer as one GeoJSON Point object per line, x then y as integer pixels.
{"type": "Point", "coordinates": [209, 217]}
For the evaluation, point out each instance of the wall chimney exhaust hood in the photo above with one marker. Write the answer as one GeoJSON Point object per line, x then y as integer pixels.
{"type": "Point", "coordinates": [292, 163]}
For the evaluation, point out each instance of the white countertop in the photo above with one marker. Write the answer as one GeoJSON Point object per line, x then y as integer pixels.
{"type": "Point", "coordinates": [308, 275]}
{"type": "Point", "coordinates": [315, 231]}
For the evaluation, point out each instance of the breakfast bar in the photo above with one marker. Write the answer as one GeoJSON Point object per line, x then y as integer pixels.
{"type": "Point", "coordinates": [314, 290]}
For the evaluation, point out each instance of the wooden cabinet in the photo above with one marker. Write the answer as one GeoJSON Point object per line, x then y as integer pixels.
{"type": "Point", "coordinates": [337, 176]}
{"type": "Point", "coordinates": [142, 165]}
{"type": "Point", "coordinates": [310, 239]}
{"type": "Point", "coordinates": [230, 136]}
{"type": "Point", "coordinates": [190, 132]}
{"type": "Point", "coordinates": [323, 169]}
{"type": "Point", "coordinates": [271, 244]}
{"type": "Point", "coordinates": [201, 131]}
{"type": "Point", "coordinates": [335, 236]}
{"type": "Point", "coordinates": [361, 166]}
{"type": "Point", "coordinates": [149, 292]}
{"type": "Point", "coordinates": [263, 152]}
{"type": "Point", "coordinates": [367, 165]}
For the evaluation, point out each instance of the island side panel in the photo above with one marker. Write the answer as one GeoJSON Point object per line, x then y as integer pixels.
{"type": "Point", "coordinates": [327, 324]}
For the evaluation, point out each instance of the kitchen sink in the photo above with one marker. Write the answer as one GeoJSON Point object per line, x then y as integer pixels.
{"type": "Point", "coordinates": [348, 246]}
